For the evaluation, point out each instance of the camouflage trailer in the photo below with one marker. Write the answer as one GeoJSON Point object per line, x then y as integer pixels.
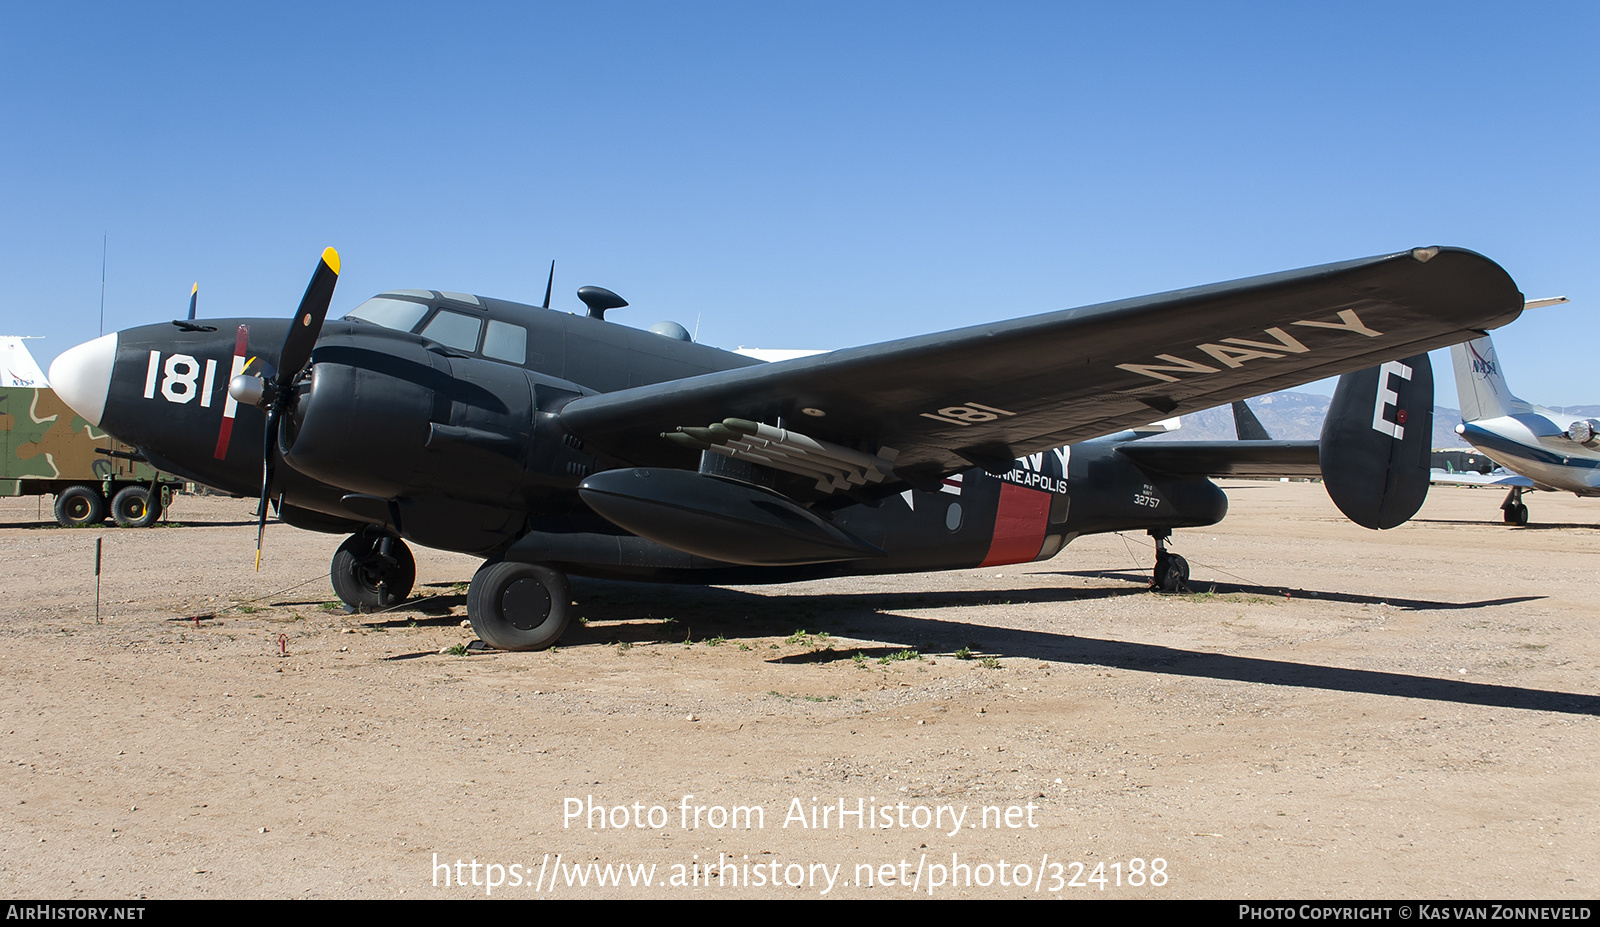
{"type": "Point", "coordinates": [46, 448]}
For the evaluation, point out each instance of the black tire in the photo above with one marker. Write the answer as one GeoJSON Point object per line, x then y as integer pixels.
{"type": "Point", "coordinates": [366, 581]}
{"type": "Point", "coordinates": [1176, 577]}
{"type": "Point", "coordinates": [80, 505]}
{"type": "Point", "coordinates": [1519, 515]}
{"type": "Point", "coordinates": [132, 508]}
{"type": "Point", "coordinates": [519, 606]}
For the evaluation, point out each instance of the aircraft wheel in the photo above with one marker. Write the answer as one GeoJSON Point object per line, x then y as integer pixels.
{"type": "Point", "coordinates": [519, 606]}
{"type": "Point", "coordinates": [1517, 515]}
{"type": "Point", "coordinates": [367, 580]}
{"type": "Point", "coordinates": [1176, 577]}
{"type": "Point", "coordinates": [80, 505]}
{"type": "Point", "coordinates": [132, 508]}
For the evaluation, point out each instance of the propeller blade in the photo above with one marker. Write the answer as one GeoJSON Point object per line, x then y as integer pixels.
{"type": "Point", "coordinates": [292, 359]}
{"type": "Point", "coordinates": [308, 318]}
{"type": "Point", "coordinates": [269, 438]}
{"type": "Point", "coordinates": [194, 296]}
{"type": "Point", "coordinates": [548, 284]}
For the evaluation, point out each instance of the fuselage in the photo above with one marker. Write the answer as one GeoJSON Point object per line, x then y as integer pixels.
{"type": "Point", "coordinates": [433, 416]}
{"type": "Point", "coordinates": [1534, 443]}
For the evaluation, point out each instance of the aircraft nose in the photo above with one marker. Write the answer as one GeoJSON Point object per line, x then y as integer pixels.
{"type": "Point", "coordinates": [81, 376]}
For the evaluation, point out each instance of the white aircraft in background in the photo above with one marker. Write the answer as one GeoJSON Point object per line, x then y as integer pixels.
{"type": "Point", "coordinates": [1547, 449]}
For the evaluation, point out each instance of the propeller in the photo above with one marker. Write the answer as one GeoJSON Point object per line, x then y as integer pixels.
{"type": "Point", "coordinates": [273, 393]}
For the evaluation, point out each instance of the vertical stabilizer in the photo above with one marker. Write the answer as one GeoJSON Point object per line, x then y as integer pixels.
{"type": "Point", "coordinates": [1480, 385]}
{"type": "Point", "coordinates": [17, 366]}
{"type": "Point", "coordinates": [1376, 440]}
{"type": "Point", "coordinates": [1246, 425]}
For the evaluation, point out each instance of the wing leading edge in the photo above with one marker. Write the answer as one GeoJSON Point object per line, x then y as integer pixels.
{"type": "Point", "coordinates": [990, 393]}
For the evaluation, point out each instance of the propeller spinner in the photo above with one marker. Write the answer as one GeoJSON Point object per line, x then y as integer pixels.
{"type": "Point", "coordinates": [272, 394]}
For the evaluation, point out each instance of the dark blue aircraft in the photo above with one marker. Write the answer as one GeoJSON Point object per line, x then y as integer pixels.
{"type": "Point", "coordinates": [550, 443]}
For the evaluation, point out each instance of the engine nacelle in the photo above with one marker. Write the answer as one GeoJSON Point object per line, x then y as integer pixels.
{"type": "Point", "coordinates": [392, 427]}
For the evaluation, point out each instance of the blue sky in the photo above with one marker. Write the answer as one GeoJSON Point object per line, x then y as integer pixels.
{"type": "Point", "coordinates": [790, 175]}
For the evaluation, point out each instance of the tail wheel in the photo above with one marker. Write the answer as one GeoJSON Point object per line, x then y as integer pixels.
{"type": "Point", "coordinates": [519, 606]}
{"type": "Point", "coordinates": [370, 573]}
{"type": "Point", "coordinates": [133, 508]}
{"type": "Point", "coordinates": [1176, 577]}
{"type": "Point", "coordinates": [80, 505]}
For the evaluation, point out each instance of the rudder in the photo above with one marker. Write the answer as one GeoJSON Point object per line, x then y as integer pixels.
{"type": "Point", "coordinates": [1376, 442]}
{"type": "Point", "coordinates": [1480, 385]}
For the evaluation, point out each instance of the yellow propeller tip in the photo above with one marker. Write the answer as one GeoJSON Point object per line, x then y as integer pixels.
{"type": "Point", "coordinates": [330, 257]}
{"type": "Point", "coordinates": [194, 289]}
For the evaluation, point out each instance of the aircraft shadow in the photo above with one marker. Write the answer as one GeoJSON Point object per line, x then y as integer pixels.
{"type": "Point", "coordinates": [432, 609]}
{"type": "Point", "coordinates": [1172, 661]}
{"type": "Point", "coordinates": [1349, 598]}
{"type": "Point", "coordinates": [708, 613]}
{"type": "Point", "coordinates": [1532, 526]}
{"type": "Point", "coordinates": [49, 523]}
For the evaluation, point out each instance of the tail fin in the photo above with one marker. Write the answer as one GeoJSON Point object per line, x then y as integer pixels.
{"type": "Point", "coordinates": [1479, 383]}
{"type": "Point", "coordinates": [1376, 441]}
{"type": "Point", "coordinates": [1246, 425]}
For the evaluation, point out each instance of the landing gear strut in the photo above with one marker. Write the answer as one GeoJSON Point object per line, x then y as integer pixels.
{"type": "Point", "coordinates": [1172, 571]}
{"type": "Point", "coordinates": [1516, 512]}
{"type": "Point", "coordinates": [519, 606]}
{"type": "Point", "coordinates": [372, 571]}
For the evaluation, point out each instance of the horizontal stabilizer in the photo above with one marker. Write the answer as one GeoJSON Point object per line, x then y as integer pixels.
{"type": "Point", "coordinates": [1244, 459]}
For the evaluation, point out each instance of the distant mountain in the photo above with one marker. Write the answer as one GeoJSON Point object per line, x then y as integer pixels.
{"type": "Point", "coordinates": [1291, 416]}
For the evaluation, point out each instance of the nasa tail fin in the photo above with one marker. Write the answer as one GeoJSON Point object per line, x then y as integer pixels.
{"type": "Point", "coordinates": [1376, 442]}
{"type": "Point", "coordinates": [1480, 384]}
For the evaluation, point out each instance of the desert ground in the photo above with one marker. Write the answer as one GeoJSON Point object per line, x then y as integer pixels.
{"type": "Point", "coordinates": [1333, 713]}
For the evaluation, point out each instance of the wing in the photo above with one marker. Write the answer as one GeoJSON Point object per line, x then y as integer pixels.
{"type": "Point", "coordinates": [1468, 478]}
{"type": "Point", "coordinates": [984, 395]}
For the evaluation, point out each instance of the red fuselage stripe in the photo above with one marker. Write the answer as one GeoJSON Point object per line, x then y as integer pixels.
{"type": "Point", "coordinates": [240, 345]}
{"type": "Point", "coordinates": [1019, 525]}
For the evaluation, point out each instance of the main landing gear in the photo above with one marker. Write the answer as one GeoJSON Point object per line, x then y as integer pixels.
{"type": "Point", "coordinates": [372, 571]}
{"type": "Point", "coordinates": [519, 606]}
{"type": "Point", "coordinates": [1516, 512]}
{"type": "Point", "coordinates": [1172, 571]}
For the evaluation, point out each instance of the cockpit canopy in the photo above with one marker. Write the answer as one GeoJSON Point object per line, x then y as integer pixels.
{"type": "Point", "coordinates": [455, 320]}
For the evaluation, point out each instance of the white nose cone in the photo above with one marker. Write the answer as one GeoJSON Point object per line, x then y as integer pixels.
{"type": "Point", "coordinates": [81, 376]}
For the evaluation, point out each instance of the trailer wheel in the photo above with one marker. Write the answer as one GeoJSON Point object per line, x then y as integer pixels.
{"type": "Point", "coordinates": [132, 508]}
{"type": "Point", "coordinates": [80, 505]}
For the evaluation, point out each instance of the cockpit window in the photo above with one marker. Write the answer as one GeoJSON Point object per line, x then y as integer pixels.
{"type": "Point", "coordinates": [506, 341]}
{"type": "Point", "coordinates": [454, 330]}
{"type": "Point", "coordinates": [398, 314]}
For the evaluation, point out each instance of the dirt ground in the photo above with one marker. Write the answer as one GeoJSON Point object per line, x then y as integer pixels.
{"type": "Point", "coordinates": [1336, 713]}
